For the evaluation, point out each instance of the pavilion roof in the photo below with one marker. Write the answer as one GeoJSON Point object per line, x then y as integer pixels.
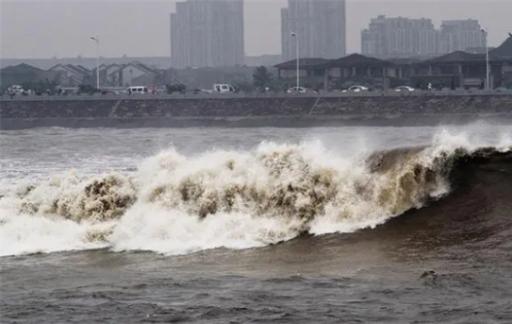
{"type": "Point", "coordinates": [304, 63]}
{"type": "Point", "coordinates": [355, 60]}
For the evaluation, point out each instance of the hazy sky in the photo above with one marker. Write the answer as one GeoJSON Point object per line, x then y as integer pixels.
{"type": "Point", "coordinates": [61, 28]}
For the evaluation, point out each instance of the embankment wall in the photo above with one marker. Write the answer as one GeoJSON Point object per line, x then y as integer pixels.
{"type": "Point", "coordinates": [252, 111]}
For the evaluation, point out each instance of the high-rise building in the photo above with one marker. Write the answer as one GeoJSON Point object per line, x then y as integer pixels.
{"type": "Point", "coordinates": [400, 38]}
{"type": "Point", "coordinates": [318, 25]}
{"type": "Point", "coordinates": [461, 35]}
{"type": "Point", "coordinates": [406, 38]}
{"type": "Point", "coordinates": [207, 33]}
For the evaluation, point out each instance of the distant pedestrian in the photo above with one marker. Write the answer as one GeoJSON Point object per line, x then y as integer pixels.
{"type": "Point", "coordinates": [429, 86]}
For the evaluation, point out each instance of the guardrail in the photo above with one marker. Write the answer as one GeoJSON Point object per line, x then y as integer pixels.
{"type": "Point", "coordinates": [332, 94]}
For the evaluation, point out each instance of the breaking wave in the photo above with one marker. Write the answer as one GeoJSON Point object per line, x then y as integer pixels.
{"type": "Point", "coordinates": [176, 204]}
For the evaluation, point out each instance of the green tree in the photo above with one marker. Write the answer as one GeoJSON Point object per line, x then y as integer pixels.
{"type": "Point", "coordinates": [262, 78]}
{"type": "Point", "coordinates": [176, 87]}
{"type": "Point", "coordinates": [243, 86]}
{"type": "Point", "coordinates": [41, 86]}
{"type": "Point", "coordinates": [87, 89]}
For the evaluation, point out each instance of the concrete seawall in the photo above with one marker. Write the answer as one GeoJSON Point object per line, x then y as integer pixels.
{"type": "Point", "coordinates": [396, 110]}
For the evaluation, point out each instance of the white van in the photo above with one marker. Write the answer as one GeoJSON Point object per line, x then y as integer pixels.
{"type": "Point", "coordinates": [223, 88]}
{"type": "Point", "coordinates": [137, 90]}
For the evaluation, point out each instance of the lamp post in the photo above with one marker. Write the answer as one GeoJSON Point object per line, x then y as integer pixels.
{"type": "Point", "coordinates": [97, 40]}
{"type": "Point", "coordinates": [487, 70]}
{"type": "Point", "coordinates": [293, 34]}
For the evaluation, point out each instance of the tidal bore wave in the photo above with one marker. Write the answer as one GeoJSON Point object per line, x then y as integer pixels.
{"type": "Point", "coordinates": [175, 204]}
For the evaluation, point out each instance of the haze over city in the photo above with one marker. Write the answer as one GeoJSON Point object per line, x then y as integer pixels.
{"type": "Point", "coordinates": [42, 29]}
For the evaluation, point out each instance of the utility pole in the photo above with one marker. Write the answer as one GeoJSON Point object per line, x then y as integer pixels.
{"type": "Point", "coordinates": [97, 40]}
{"type": "Point", "coordinates": [487, 68]}
{"type": "Point", "coordinates": [293, 34]}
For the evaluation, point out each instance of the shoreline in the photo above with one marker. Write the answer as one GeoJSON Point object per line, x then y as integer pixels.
{"type": "Point", "coordinates": [274, 121]}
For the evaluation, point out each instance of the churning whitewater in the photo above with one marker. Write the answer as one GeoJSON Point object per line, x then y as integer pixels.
{"type": "Point", "coordinates": [177, 204]}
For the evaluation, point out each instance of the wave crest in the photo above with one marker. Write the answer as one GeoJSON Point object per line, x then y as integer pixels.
{"type": "Point", "coordinates": [99, 199]}
{"type": "Point", "coordinates": [176, 204]}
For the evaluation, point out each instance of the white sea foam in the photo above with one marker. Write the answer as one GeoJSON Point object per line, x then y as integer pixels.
{"type": "Point", "coordinates": [176, 204]}
{"type": "Point", "coordinates": [21, 234]}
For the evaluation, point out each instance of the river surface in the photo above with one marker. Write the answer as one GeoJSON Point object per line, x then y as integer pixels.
{"type": "Point", "coordinates": [256, 225]}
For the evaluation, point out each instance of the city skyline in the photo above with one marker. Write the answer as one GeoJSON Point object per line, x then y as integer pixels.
{"type": "Point", "coordinates": [67, 25]}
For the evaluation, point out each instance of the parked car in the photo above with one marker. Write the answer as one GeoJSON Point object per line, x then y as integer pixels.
{"type": "Point", "coordinates": [356, 89]}
{"type": "Point", "coordinates": [404, 89]}
{"type": "Point", "coordinates": [297, 90]}
{"type": "Point", "coordinates": [16, 90]}
{"type": "Point", "coordinates": [137, 90]}
{"type": "Point", "coordinates": [223, 88]}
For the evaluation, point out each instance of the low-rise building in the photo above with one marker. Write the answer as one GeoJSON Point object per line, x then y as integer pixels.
{"type": "Point", "coordinates": [331, 74]}
{"type": "Point", "coordinates": [125, 75]}
{"type": "Point", "coordinates": [136, 73]}
{"type": "Point", "coordinates": [25, 75]}
{"type": "Point", "coordinates": [71, 75]}
{"type": "Point", "coordinates": [360, 69]}
{"type": "Point", "coordinates": [467, 70]}
{"type": "Point", "coordinates": [109, 75]}
{"type": "Point", "coordinates": [311, 71]}
{"type": "Point", "coordinates": [454, 70]}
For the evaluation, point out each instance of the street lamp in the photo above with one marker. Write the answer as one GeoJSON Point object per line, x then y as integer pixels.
{"type": "Point", "coordinates": [293, 34]}
{"type": "Point", "coordinates": [487, 70]}
{"type": "Point", "coordinates": [97, 40]}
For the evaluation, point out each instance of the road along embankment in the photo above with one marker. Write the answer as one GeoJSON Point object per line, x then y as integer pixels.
{"type": "Point", "coordinates": [281, 111]}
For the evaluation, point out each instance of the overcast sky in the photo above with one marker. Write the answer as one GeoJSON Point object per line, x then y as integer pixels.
{"type": "Point", "coordinates": [61, 28]}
